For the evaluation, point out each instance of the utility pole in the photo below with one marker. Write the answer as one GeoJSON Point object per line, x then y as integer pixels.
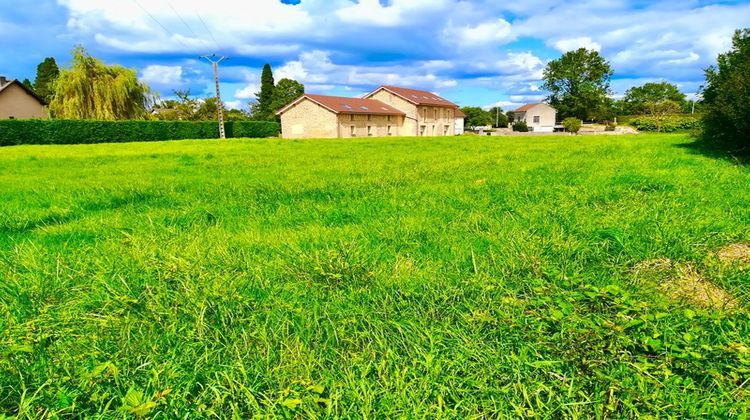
{"type": "Point", "coordinates": [220, 113]}
{"type": "Point", "coordinates": [497, 116]}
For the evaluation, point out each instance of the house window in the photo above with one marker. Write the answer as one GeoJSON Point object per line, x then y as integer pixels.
{"type": "Point", "coordinates": [445, 130]}
{"type": "Point", "coordinates": [369, 117]}
{"type": "Point", "coordinates": [536, 119]}
{"type": "Point", "coordinates": [351, 117]}
{"type": "Point", "coordinates": [353, 131]}
{"type": "Point", "coordinates": [389, 131]}
{"type": "Point", "coordinates": [369, 130]}
{"type": "Point", "coordinates": [436, 114]}
{"type": "Point", "coordinates": [388, 118]}
{"type": "Point", "coordinates": [433, 129]}
{"type": "Point", "coordinates": [11, 118]}
{"type": "Point", "coordinates": [422, 129]}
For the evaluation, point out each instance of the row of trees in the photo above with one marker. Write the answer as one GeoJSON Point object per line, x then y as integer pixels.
{"type": "Point", "coordinates": [579, 87]}
{"type": "Point", "coordinates": [90, 89]}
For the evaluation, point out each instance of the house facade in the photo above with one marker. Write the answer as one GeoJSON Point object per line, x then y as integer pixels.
{"type": "Point", "coordinates": [387, 111]}
{"type": "Point", "coordinates": [18, 102]}
{"type": "Point", "coordinates": [539, 117]}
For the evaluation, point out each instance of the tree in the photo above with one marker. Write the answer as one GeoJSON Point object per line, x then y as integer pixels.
{"type": "Point", "coordinates": [726, 119]}
{"type": "Point", "coordinates": [572, 125]}
{"type": "Point", "coordinates": [92, 90]}
{"type": "Point", "coordinates": [638, 100]}
{"type": "Point", "coordinates": [47, 73]}
{"type": "Point", "coordinates": [263, 109]}
{"type": "Point", "coordinates": [578, 83]}
{"type": "Point", "coordinates": [659, 110]}
{"type": "Point", "coordinates": [477, 117]}
{"type": "Point", "coordinates": [27, 84]}
{"type": "Point", "coordinates": [499, 119]}
{"type": "Point", "coordinates": [285, 91]}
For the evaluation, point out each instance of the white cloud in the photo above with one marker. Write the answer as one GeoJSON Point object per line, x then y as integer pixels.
{"type": "Point", "coordinates": [248, 92]}
{"type": "Point", "coordinates": [162, 75]}
{"type": "Point", "coordinates": [570, 44]}
{"type": "Point", "coordinates": [487, 34]}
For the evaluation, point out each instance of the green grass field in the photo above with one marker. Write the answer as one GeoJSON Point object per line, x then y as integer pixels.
{"type": "Point", "coordinates": [454, 277]}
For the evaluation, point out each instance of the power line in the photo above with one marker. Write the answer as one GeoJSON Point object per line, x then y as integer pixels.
{"type": "Point", "coordinates": [208, 30]}
{"type": "Point", "coordinates": [186, 24]}
{"type": "Point", "coordinates": [172, 35]}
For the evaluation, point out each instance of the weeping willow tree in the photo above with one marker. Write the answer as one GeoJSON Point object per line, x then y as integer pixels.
{"type": "Point", "coordinates": [90, 89]}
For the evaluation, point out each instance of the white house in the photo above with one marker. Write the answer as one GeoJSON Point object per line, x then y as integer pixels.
{"type": "Point", "coordinates": [460, 116]}
{"type": "Point", "coordinates": [539, 117]}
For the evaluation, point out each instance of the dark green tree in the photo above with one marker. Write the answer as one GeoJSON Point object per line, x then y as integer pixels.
{"type": "Point", "coordinates": [726, 102]}
{"type": "Point", "coordinates": [263, 109]}
{"type": "Point", "coordinates": [578, 83]}
{"type": "Point", "coordinates": [638, 99]}
{"type": "Point", "coordinates": [499, 118]}
{"type": "Point", "coordinates": [27, 84]}
{"type": "Point", "coordinates": [477, 117]}
{"type": "Point", "coordinates": [285, 91]}
{"type": "Point", "coordinates": [47, 73]}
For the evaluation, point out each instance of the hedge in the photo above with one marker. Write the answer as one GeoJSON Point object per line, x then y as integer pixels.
{"type": "Point", "coordinates": [13, 132]}
{"type": "Point", "coordinates": [669, 123]}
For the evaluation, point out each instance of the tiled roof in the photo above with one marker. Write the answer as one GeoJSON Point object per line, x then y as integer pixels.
{"type": "Point", "coordinates": [459, 113]}
{"type": "Point", "coordinates": [418, 97]}
{"type": "Point", "coordinates": [343, 105]}
{"type": "Point", "coordinates": [526, 107]}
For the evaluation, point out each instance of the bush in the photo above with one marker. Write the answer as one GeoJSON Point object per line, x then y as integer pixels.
{"type": "Point", "coordinates": [520, 126]}
{"type": "Point", "coordinates": [666, 124]}
{"type": "Point", "coordinates": [13, 132]}
{"type": "Point", "coordinates": [610, 127]}
{"type": "Point", "coordinates": [572, 125]}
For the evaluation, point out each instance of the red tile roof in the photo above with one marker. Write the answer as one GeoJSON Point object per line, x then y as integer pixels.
{"type": "Point", "coordinates": [459, 113]}
{"type": "Point", "coordinates": [526, 107]}
{"type": "Point", "coordinates": [343, 105]}
{"type": "Point", "coordinates": [418, 97]}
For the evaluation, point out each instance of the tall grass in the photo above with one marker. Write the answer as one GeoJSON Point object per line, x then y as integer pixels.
{"type": "Point", "coordinates": [369, 278]}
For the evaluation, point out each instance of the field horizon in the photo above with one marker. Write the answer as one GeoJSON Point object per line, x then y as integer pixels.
{"type": "Point", "coordinates": [603, 276]}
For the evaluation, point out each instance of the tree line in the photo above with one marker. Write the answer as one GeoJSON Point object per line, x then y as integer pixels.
{"type": "Point", "coordinates": [92, 90]}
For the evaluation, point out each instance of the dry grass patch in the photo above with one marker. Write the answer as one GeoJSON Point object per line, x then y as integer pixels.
{"type": "Point", "coordinates": [739, 253]}
{"type": "Point", "coordinates": [683, 282]}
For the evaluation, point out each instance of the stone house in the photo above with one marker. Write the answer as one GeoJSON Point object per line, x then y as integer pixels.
{"type": "Point", "coordinates": [539, 117]}
{"type": "Point", "coordinates": [387, 111]}
{"type": "Point", "coordinates": [19, 102]}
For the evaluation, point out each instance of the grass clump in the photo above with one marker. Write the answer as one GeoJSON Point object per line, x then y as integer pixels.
{"type": "Point", "coordinates": [400, 277]}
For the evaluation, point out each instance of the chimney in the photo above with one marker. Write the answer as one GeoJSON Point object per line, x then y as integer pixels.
{"type": "Point", "coordinates": [3, 81]}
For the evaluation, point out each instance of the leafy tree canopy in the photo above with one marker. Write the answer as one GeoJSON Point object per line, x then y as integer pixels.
{"type": "Point", "coordinates": [93, 90]}
{"type": "Point", "coordinates": [477, 117]}
{"type": "Point", "coordinates": [285, 91]}
{"type": "Point", "coordinates": [263, 110]}
{"type": "Point", "coordinates": [499, 118]}
{"type": "Point", "coordinates": [47, 73]}
{"type": "Point", "coordinates": [639, 99]}
{"type": "Point", "coordinates": [726, 93]}
{"type": "Point", "coordinates": [578, 83]}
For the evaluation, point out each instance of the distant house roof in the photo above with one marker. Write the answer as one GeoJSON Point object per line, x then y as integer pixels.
{"type": "Point", "coordinates": [527, 107]}
{"type": "Point", "coordinates": [415, 96]}
{"type": "Point", "coordinates": [343, 105]}
{"type": "Point", "coordinates": [459, 113]}
{"type": "Point", "coordinates": [9, 83]}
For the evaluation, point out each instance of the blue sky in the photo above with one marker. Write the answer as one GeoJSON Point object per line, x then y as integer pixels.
{"type": "Point", "coordinates": [480, 52]}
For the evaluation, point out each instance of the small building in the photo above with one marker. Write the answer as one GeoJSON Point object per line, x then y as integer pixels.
{"type": "Point", "coordinates": [539, 117]}
{"type": "Point", "coordinates": [459, 125]}
{"type": "Point", "coordinates": [387, 111]}
{"type": "Point", "coordinates": [19, 102]}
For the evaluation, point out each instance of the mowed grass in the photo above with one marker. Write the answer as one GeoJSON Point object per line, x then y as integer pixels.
{"type": "Point", "coordinates": [453, 277]}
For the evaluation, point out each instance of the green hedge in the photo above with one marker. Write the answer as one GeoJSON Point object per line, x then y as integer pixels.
{"type": "Point", "coordinates": [13, 132]}
{"type": "Point", "coordinates": [669, 124]}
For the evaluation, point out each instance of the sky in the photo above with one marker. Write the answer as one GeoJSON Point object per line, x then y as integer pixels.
{"type": "Point", "coordinates": [472, 52]}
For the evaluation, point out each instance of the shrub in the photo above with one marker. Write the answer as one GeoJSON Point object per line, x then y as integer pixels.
{"type": "Point", "coordinates": [520, 126]}
{"type": "Point", "coordinates": [666, 124]}
{"type": "Point", "coordinates": [13, 132]}
{"type": "Point", "coordinates": [610, 127]}
{"type": "Point", "coordinates": [572, 125]}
